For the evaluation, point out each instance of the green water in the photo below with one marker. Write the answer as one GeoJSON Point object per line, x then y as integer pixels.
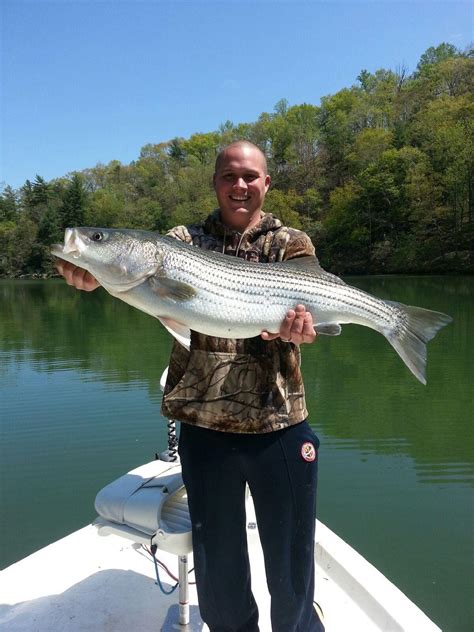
{"type": "Point", "coordinates": [79, 406]}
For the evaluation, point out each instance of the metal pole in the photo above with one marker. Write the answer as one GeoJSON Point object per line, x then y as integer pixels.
{"type": "Point", "coordinates": [183, 590]}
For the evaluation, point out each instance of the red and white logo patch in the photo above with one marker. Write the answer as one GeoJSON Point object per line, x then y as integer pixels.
{"type": "Point", "coordinates": [308, 451]}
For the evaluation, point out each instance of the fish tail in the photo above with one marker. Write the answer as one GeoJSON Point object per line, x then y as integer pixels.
{"type": "Point", "coordinates": [416, 327]}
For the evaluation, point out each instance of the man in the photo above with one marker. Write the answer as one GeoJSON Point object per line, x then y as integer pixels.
{"type": "Point", "coordinates": [243, 414]}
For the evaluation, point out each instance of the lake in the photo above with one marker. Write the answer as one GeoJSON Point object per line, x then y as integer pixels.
{"type": "Point", "coordinates": [80, 405]}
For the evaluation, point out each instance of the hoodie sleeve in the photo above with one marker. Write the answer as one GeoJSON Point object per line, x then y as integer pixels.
{"type": "Point", "coordinates": [290, 243]}
{"type": "Point", "coordinates": [299, 245]}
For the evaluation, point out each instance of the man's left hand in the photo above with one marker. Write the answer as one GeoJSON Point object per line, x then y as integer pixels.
{"type": "Point", "coordinates": [297, 327]}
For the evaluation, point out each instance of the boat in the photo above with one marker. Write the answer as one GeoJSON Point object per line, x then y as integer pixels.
{"type": "Point", "coordinates": [131, 569]}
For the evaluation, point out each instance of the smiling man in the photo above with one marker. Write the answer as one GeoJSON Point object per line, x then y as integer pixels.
{"type": "Point", "coordinates": [241, 181]}
{"type": "Point", "coordinates": [244, 421]}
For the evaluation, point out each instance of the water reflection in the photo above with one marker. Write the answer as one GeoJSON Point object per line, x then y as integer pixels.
{"type": "Point", "coordinates": [79, 405]}
{"type": "Point", "coordinates": [358, 389]}
{"type": "Point", "coordinates": [57, 328]}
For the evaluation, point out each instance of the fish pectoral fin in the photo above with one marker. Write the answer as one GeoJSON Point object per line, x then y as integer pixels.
{"type": "Point", "coordinates": [169, 288]}
{"type": "Point", "coordinates": [328, 329]}
{"type": "Point", "coordinates": [181, 332]}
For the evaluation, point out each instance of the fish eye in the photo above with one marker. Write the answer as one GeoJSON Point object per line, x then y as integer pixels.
{"type": "Point", "coordinates": [98, 236]}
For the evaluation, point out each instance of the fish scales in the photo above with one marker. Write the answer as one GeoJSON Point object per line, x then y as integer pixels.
{"type": "Point", "coordinates": [219, 277]}
{"type": "Point", "coordinates": [189, 288]}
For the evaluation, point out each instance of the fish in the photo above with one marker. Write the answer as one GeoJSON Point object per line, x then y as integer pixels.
{"type": "Point", "coordinates": [188, 288]}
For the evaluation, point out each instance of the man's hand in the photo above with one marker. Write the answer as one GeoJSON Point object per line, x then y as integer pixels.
{"type": "Point", "coordinates": [78, 277]}
{"type": "Point", "coordinates": [297, 327]}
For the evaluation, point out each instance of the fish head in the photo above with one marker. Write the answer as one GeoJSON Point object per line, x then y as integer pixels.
{"type": "Point", "coordinates": [117, 258]}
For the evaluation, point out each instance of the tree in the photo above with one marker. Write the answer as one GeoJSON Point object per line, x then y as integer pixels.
{"type": "Point", "coordinates": [369, 144]}
{"type": "Point", "coordinates": [345, 243]}
{"type": "Point", "coordinates": [283, 206]}
{"type": "Point", "coordinates": [436, 54]}
{"type": "Point", "coordinates": [203, 147]}
{"type": "Point", "coordinates": [380, 174]}
{"type": "Point", "coordinates": [177, 152]}
{"type": "Point", "coordinates": [74, 203]}
{"type": "Point", "coordinates": [337, 125]}
{"type": "Point", "coordinates": [8, 205]}
{"type": "Point", "coordinates": [35, 198]}
{"type": "Point", "coordinates": [106, 208]}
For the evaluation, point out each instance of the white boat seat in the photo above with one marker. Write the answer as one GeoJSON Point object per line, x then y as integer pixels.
{"type": "Point", "coordinates": [148, 505]}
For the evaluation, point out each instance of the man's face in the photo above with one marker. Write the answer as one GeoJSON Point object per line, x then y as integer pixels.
{"type": "Point", "coordinates": [241, 183]}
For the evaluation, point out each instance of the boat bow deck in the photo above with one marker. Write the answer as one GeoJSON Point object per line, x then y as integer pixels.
{"type": "Point", "coordinates": [87, 582]}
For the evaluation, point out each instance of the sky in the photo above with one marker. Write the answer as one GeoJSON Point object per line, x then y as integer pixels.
{"type": "Point", "coordinates": [87, 82]}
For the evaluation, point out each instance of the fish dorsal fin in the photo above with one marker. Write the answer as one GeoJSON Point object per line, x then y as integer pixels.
{"type": "Point", "coordinates": [310, 263]}
{"type": "Point", "coordinates": [169, 288]}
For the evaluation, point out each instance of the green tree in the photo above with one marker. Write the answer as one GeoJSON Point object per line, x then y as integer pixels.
{"type": "Point", "coordinates": [177, 152]}
{"type": "Point", "coordinates": [7, 229]}
{"type": "Point", "coordinates": [202, 147]}
{"type": "Point", "coordinates": [74, 203]}
{"type": "Point", "coordinates": [106, 208]}
{"type": "Point", "coordinates": [283, 206]}
{"type": "Point", "coordinates": [379, 174]}
{"type": "Point", "coordinates": [435, 54]}
{"type": "Point", "coordinates": [22, 248]}
{"type": "Point", "coordinates": [8, 205]}
{"type": "Point", "coordinates": [337, 125]}
{"type": "Point", "coordinates": [346, 241]}
{"type": "Point", "coordinates": [35, 198]}
{"type": "Point", "coordinates": [369, 144]}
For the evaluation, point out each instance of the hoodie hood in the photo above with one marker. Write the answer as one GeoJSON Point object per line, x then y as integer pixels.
{"type": "Point", "coordinates": [213, 225]}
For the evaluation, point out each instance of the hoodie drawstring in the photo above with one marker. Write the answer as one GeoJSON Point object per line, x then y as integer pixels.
{"type": "Point", "coordinates": [238, 245]}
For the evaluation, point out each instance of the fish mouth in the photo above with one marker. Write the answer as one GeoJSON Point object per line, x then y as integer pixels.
{"type": "Point", "coordinates": [71, 246]}
{"type": "Point", "coordinates": [57, 250]}
{"type": "Point", "coordinates": [72, 243]}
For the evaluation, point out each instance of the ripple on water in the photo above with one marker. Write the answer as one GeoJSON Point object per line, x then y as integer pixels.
{"type": "Point", "coordinates": [445, 472]}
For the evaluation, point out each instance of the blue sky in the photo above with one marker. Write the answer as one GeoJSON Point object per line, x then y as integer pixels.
{"type": "Point", "coordinates": [87, 82]}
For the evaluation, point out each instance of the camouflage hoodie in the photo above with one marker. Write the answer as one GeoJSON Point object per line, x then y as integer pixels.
{"type": "Point", "coordinates": [244, 386]}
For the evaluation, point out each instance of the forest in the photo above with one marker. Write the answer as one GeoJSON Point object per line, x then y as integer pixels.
{"type": "Point", "coordinates": [380, 176]}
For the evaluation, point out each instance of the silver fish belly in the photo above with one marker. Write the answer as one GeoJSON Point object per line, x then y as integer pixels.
{"type": "Point", "coordinates": [189, 288]}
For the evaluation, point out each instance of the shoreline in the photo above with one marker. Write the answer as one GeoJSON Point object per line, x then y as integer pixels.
{"type": "Point", "coordinates": [44, 276]}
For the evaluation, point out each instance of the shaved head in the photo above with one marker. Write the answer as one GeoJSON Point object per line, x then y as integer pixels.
{"type": "Point", "coordinates": [241, 182]}
{"type": "Point", "coordinates": [241, 144]}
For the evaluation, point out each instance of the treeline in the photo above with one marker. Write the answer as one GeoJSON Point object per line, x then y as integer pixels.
{"type": "Point", "coordinates": [379, 175]}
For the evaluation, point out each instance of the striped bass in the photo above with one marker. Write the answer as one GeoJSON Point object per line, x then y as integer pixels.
{"type": "Point", "coordinates": [187, 288]}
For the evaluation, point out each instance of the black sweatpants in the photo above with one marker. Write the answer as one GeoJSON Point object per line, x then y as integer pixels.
{"type": "Point", "coordinates": [281, 470]}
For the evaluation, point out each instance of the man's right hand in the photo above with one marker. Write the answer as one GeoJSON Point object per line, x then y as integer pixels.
{"type": "Point", "coordinates": [78, 277]}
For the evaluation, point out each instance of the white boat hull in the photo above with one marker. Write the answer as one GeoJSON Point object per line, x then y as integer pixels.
{"type": "Point", "coordinates": [89, 582]}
